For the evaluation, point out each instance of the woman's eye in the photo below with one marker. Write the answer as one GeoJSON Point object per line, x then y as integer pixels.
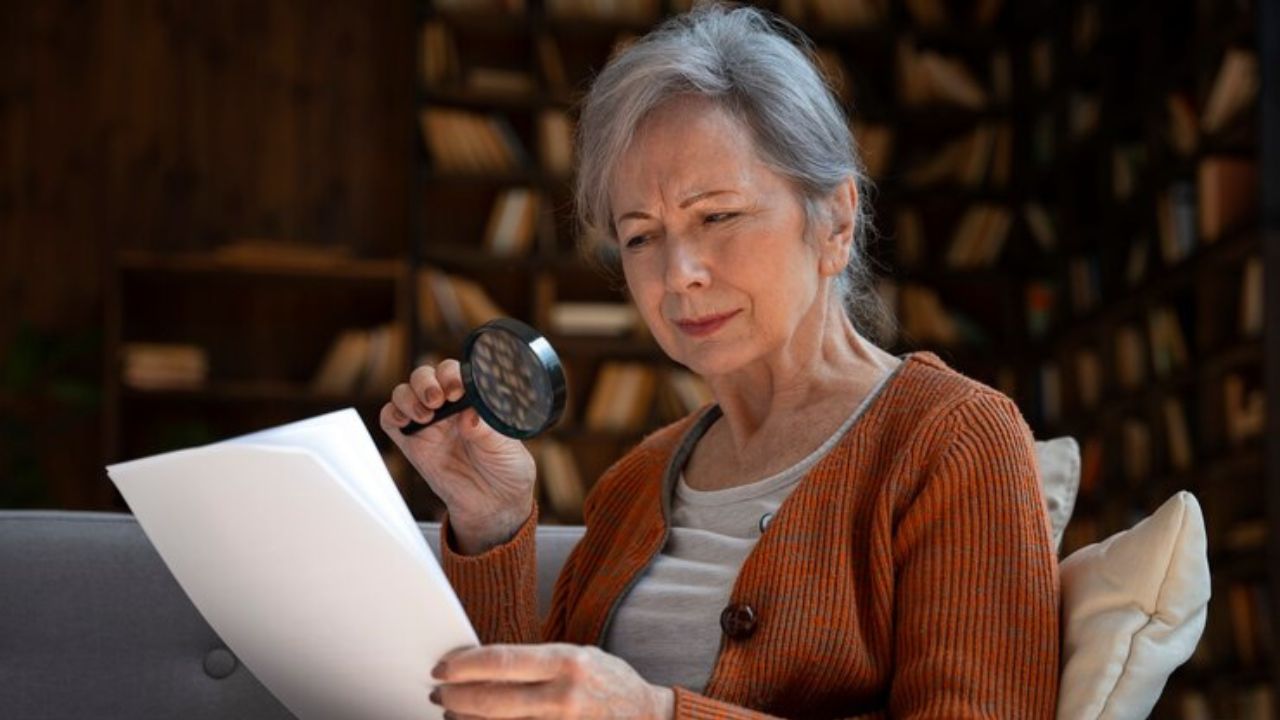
{"type": "Point", "coordinates": [636, 241]}
{"type": "Point", "coordinates": [719, 217]}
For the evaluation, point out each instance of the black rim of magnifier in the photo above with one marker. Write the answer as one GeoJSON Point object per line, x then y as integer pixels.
{"type": "Point", "coordinates": [547, 358]}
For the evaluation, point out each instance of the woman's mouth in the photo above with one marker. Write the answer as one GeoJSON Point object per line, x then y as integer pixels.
{"type": "Point", "coordinates": [706, 325]}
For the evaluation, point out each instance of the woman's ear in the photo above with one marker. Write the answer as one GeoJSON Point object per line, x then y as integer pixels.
{"type": "Point", "coordinates": [842, 208]}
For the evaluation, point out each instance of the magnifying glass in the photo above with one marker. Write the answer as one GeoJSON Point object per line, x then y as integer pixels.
{"type": "Point", "coordinates": [511, 376]}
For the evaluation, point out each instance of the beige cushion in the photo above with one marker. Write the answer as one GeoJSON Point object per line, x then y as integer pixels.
{"type": "Point", "coordinates": [1133, 609]}
{"type": "Point", "coordinates": [1059, 461]}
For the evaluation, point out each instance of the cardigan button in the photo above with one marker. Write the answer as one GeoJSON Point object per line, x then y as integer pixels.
{"type": "Point", "coordinates": [738, 621]}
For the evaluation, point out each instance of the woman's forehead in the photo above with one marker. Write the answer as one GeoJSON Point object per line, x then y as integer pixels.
{"type": "Point", "coordinates": [686, 150]}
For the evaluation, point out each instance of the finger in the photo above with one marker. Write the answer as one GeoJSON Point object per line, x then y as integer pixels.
{"type": "Point", "coordinates": [426, 387]}
{"type": "Point", "coordinates": [403, 399]}
{"type": "Point", "coordinates": [502, 699]}
{"type": "Point", "coordinates": [449, 374]}
{"type": "Point", "coordinates": [391, 419]}
{"type": "Point", "coordinates": [505, 663]}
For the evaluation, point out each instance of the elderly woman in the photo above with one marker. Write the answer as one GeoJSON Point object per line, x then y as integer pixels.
{"type": "Point", "coordinates": [842, 533]}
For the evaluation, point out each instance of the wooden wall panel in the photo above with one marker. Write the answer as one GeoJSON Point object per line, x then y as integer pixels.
{"type": "Point", "coordinates": [146, 123]}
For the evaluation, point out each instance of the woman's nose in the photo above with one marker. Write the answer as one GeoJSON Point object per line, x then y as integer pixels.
{"type": "Point", "coordinates": [687, 269]}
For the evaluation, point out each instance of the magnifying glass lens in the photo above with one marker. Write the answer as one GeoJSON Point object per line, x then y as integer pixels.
{"type": "Point", "coordinates": [510, 380]}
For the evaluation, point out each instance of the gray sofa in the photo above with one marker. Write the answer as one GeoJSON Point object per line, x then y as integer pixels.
{"type": "Point", "coordinates": [92, 625]}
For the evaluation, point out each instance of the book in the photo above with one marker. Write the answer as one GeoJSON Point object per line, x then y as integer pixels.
{"type": "Point", "coordinates": [1234, 88]}
{"type": "Point", "coordinates": [1049, 392]}
{"type": "Point", "coordinates": [1168, 344]}
{"type": "Point", "coordinates": [560, 480]}
{"type": "Point", "coordinates": [1084, 274]}
{"type": "Point", "coordinates": [368, 361]}
{"type": "Point", "coordinates": [1041, 301]}
{"type": "Point", "coordinates": [875, 145]}
{"type": "Point", "coordinates": [164, 366]}
{"type": "Point", "coordinates": [1136, 441]}
{"type": "Point", "coordinates": [1245, 410]}
{"type": "Point", "coordinates": [1131, 357]}
{"type": "Point", "coordinates": [512, 223]}
{"type": "Point", "coordinates": [1041, 225]}
{"type": "Point", "coordinates": [927, 77]}
{"type": "Point", "coordinates": [980, 237]}
{"type": "Point", "coordinates": [1228, 194]}
{"type": "Point", "coordinates": [551, 62]}
{"type": "Point", "coordinates": [925, 319]}
{"type": "Point", "coordinates": [1089, 378]}
{"type": "Point", "coordinates": [343, 366]}
{"type": "Point", "coordinates": [1177, 435]}
{"type": "Point", "coordinates": [438, 59]}
{"type": "Point", "coordinates": [1252, 309]}
{"type": "Point", "coordinates": [452, 303]}
{"type": "Point", "coordinates": [296, 547]}
{"type": "Point", "coordinates": [1176, 222]}
{"type": "Point", "coordinates": [1184, 131]}
{"type": "Point", "coordinates": [622, 396]}
{"type": "Point", "coordinates": [555, 142]}
{"type": "Point", "coordinates": [593, 318]}
{"type": "Point", "coordinates": [462, 141]}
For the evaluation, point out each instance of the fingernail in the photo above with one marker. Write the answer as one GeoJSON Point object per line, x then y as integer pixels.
{"type": "Point", "coordinates": [438, 671]}
{"type": "Point", "coordinates": [448, 715]}
{"type": "Point", "coordinates": [434, 696]}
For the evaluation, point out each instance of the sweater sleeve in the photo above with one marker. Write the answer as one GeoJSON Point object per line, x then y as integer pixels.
{"type": "Point", "coordinates": [976, 602]}
{"type": "Point", "coordinates": [498, 588]}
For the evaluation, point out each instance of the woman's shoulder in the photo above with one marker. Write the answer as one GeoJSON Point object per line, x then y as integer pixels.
{"type": "Point", "coordinates": [936, 400]}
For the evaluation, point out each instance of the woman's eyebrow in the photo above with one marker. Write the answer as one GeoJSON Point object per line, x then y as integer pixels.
{"type": "Point", "coordinates": [698, 197]}
{"type": "Point", "coordinates": [695, 198]}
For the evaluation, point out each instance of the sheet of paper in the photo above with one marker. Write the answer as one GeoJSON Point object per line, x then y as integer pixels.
{"type": "Point", "coordinates": [340, 439]}
{"type": "Point", "coordinates": [303, 575]}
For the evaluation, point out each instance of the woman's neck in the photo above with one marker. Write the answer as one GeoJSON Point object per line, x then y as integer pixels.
{"type": "Point", "coordinates": [797, 397]}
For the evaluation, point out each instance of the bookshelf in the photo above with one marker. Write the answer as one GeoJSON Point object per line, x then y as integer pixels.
{"type": "Point", "coordinates": [203, 345]}
{"type": "Point", "coordinates": [1269, 122]}
{"type": "Point", "coordinates": [1153, 348]}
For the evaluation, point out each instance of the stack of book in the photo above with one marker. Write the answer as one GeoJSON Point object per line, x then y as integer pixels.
{"type": "Point", "coordinates": [362, 362]}
{"type": "Point", "coordinates": [164, 366]}
{"type": "Point", "coordinates": [452, 303]}
{"type": "Point", "coordinates": [461, 141]}
{"type": "Point", "coordinates": [622, 397]}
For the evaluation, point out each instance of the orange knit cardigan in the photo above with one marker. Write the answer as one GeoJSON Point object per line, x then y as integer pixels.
{"type": "Point", "coordinates": [909, 575]}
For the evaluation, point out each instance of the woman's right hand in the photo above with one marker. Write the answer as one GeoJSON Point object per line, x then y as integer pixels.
{"type": "Point", "coordinates": [484, 477]}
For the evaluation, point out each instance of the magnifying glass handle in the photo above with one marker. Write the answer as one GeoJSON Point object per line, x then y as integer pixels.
{"type": "Point", "coordinates": [446, 410]}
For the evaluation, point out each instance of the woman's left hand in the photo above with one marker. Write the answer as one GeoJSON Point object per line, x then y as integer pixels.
{"type": "Point", "coordinates": [551, 681]}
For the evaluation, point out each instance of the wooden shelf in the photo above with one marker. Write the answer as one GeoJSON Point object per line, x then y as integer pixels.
{"type": "Point", "coordinates": [209, 264]}
{"type": "Point", "coordinates": [233, 392]}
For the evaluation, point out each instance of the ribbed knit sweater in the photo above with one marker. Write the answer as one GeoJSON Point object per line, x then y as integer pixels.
{"type": "Point", "coordinates": [909, 575]}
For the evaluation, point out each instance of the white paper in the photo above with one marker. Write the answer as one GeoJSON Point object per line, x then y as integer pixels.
{"type": "Point", "coordinates": [296, 547]}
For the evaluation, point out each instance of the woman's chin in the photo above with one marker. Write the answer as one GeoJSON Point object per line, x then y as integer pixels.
{"type": "Point", "coordinates": [708, 359]}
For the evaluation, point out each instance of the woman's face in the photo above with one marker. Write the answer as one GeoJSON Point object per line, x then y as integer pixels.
{"type": "Point", "coordinates": [712, 240]}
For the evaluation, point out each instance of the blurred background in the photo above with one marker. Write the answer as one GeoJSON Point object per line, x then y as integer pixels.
{"type": "Point", "coordinates": [216, 217]}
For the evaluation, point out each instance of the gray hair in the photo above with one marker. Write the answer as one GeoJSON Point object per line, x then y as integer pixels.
{"type": "Point", "coordinates": [761, 70]}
